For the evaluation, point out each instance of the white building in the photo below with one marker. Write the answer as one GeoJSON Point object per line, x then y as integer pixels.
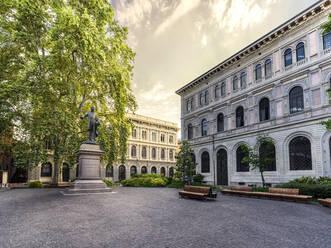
{"type": "Point", "coordinates": [151, 149]}
{"type": "Point", "coordinates": [277, 86]}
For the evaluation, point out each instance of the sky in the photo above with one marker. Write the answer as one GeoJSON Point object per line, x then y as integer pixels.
{"type": "Point", "coordinates": [176, 41]}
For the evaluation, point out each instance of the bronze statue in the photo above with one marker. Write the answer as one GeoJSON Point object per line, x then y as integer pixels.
{"type": "Point", "coordinates": [92, 125]}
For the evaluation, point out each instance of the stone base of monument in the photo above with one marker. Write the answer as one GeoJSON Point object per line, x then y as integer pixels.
{"type": "Point", "coordinates": [89, 180]}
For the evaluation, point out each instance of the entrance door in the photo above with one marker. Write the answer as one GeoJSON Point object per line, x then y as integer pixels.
{"type": "Point", "coordinates": [65, 172]}
{"type": "Point", "coordinates": [121, 175]}
{"type": "Point", "coordinates": [222, 167]}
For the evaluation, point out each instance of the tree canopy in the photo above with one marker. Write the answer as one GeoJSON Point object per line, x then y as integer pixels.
{"type": "Point", "coordinates": [59, 57]}
{"type": "Point", "coordinates": [184, 162]}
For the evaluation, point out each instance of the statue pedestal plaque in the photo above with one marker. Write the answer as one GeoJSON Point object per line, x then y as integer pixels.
{"type": "Point", "coordinates": [89, 179]}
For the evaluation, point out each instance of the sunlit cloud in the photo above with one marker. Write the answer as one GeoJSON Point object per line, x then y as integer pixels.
{"type": "Point", "coordinates": [183, 8]}
{"type": "Point", "coordinates": [232, 15]}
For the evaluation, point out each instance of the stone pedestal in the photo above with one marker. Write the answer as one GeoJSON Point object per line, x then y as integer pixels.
{"type": "Point", "coordinates": [89, 179]}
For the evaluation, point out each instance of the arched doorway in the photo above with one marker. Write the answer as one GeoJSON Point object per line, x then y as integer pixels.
{"type": "Point", "coordinates": [133, 171]}
{"type": "Point", "coordinates": [65, 172]}
{"type": "Point", "coordinates": [162, 171]}
{"type": "Point", "coordinates": [121, 174]}
{"type": "Point", "coordinates": [171, 172]}
{"type": "Point", "coordinates": [222, 167]}
{"type": "Point", "coordinates": [153, 170]}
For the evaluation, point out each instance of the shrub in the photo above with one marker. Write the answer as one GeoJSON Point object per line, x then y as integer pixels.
{"type": "Point", "coordinates": [312, 180]}
{"type": "Point", "coordinates": [146, 180]}
{"type": "Point", "coordinates": [260, 189]}
{"type": "Point", "coordinates": [108, 182]}
{"type": "Point", "coordinates": [35, 184]}
{"type": "Point", "coordinates": [176, 184]}
{"type": "Point", "coordinates": [315, 190]}
{"type": "Point", "coordinates": [198, 178]}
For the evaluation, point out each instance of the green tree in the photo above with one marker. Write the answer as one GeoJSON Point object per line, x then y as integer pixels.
{"type": "Point", "coordinates": [185, 166]}
{"type": "Point", "coordinates": [257, 160]}
{"type": "Point", "coordinates": [59, 57]}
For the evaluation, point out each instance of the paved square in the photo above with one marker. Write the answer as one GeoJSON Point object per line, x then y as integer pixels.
{"type": "Point", "coordinates": [157, 217]}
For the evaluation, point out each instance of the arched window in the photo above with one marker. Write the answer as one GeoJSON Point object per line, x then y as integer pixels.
{"type": "Point", "coordinates": [133, 171]}
{"type": "Point", "coordinates": [241, 166]}
{"type": "Point", "coordinates": [162, 153]}
{"type": "Point", "coordinates": [133, 151]}
{"type": "Point", "coordinates": [153, 153]}
{"type": "Point", "coordinates": [288, 57]}
{"type": "Point", "coordinates": [223, 89]}
{"type": "Point", "coordinates": [144, 152]}
{"type": "Point", "coordinates": [201, 99]}
{"type": "Point", "coordinates": [162, 171]}
{"type": "Point", "coordinates": [296, 100]}
{"type": "Point", "coordinates": [204, 127]}
{"type": "Point", "coordinates": [190, 131]}
{"type": "Point", "coordinates": [267, 153]}
{"type": "Point", "coordinates": [109, 171]}
{"type": "Point", "coordinates": [300, 154]}
{"type": "Point", "coordinates": [143, 170]}
{"type": "Point", "coordinates": [264, 109]}
{"type": "Point", "coordinates": [217, 91]}
{"type": "Point", "coordinates": [235, 85]}
{"type": "Point", "coordinates": [300, 51]}
{"type": "Point", "coordinates": [267, 68]}
{"type": "Point", "coordinates": [243, 79]}
{"type": "Point", "coordinates": [206, 97]}
{"type": "Point", "coordinates": [240, 117]}
{"type": "Point", "coordinates": [205, 163]}
{"type": "Point", "coordinates": [171, 172]}
{"type": "Point", "coordinates": [220, 122]}
{"type": "Point", "coordinates": [46, 170]}
{"type": "Point", "coordinates": [327, 40]}
{"type": "Point", "coordinates": [258, 72]}
{"type": "Point", "coordinates": [153, 170]}
{"type": "Point", "coordinates": [171, 154]}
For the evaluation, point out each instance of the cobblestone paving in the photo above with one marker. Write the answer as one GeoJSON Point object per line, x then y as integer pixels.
{"type": "Point", "coordinates": [157, 217]}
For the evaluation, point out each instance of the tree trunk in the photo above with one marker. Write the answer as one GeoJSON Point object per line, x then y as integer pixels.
{"type": "Point", "coordinates": [263, 182]}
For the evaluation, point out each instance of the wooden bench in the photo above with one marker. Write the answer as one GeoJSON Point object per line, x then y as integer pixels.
{"type": "Point", "coordinates": [197, 192]}
{"type": "Point", "coordinates": [325, 202]}
{"type": "Point", "coordinates": [274, 193]}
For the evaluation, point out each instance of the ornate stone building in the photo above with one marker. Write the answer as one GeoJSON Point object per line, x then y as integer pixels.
{"type": "Point", "coordinates": [276, 86]}
{"type": "Point", "coordinates": [151, 149]}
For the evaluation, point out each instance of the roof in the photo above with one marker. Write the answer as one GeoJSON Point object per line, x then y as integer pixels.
{"type": "Point", "coordinates": [275, 33]}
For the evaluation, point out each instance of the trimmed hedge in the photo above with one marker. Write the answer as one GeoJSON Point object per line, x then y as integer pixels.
{"type": "Point", "coordinates": [146, 180]}
{"type": "Point", "coordinates": [315, 190]}
{"type": "Point", "coordinates": [35, 184]}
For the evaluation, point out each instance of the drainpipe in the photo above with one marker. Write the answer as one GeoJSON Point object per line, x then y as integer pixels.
{"type": "Point", "coordinates": [213, 136]}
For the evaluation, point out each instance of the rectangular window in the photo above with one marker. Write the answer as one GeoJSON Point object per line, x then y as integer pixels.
{"type": "Point", "coordinates": [162, 138]}
{"type": "Point", "coordinates": [154, 137]}
{"type": "Point", "coordinates": [134, 133]}
{"type": "Point", "coordinates": [144, 135]}
{"type": "Point", "coordinates": [171, 139]}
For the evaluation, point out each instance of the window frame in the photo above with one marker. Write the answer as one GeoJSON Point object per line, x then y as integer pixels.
{"type": "Point", "coordinates": [300, 45]}
{"type": "Point", "coordinates": [204, 126]}
{"type": "Point", "coordinates": [189, 131]}
{"type": "Point", "coordinates": [242, 122]}
{"type": "Point", "coordinates": [288, 52]}
{"type": "Point", "coordinates": [235, 85]}
{"type": "Point", "coordinates": [294, 159]}
{"type": "Point", "coordinates": [268, 70]}
{"type": "Point", "coordinates": [328, 36]}
{"type": "Point", "coordinates": [243, 83]}
{"type": "Point", "coordinates": [46, 173]}
{"type": "Point", "coordinates": [258, 76]}
{"type": "Point", "coordinates": [296, 99]}
{"type": "Point", "coordinates": [205, 162]}
{"type": "Point", "coordinates": [220, 122]}
{"type": "Point", "coordinates": [266, 116]}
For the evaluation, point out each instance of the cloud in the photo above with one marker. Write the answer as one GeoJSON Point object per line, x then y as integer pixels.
{"type": "Point", "coordinates": [183, 8]}
{"type": "Point", "coordinates": [204, 40]}
{"type": "Point", "coordinates": [233, 15]}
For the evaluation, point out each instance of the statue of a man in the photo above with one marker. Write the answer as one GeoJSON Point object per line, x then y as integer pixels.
{"type": "Point", "coordinates": [92, 126]}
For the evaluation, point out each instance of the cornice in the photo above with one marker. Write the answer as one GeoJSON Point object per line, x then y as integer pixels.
{"type": "Point", "coordinates": [276, 33]}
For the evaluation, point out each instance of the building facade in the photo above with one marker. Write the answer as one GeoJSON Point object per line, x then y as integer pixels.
{"type": "Point", "coordinates": [151, 149]}
{"type": "Point", "coordinates": [276, 86]}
